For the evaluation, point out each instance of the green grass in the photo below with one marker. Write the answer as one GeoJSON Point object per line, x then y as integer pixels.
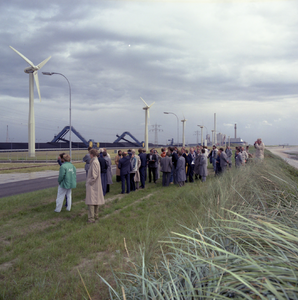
{"type": "Point", "coordinates": [245, 247]}
{"type": "Point", "coordinates": [41, 251]}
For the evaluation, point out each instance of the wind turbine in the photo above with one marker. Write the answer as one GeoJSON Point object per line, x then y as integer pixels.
{"type": "Point", "coordinates": [183, 136]}
{"type": "Point", "coordinates": [32, 71]}
{"type": "Point", "coordinates": [146, 108]}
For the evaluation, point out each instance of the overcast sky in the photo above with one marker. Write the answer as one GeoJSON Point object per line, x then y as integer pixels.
{"type": "Point", "coordinates": [237, 59]}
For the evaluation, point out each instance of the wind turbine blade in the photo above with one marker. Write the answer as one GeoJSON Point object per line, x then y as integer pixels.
{"type": "Point", "coordinates": [151, 104]}
{"type": "Point", "coordinates": [144, 101]}
{"type": "Point", "coordinates": [25, 58]}
{"type": "Point", "coordinates": [43, 63]}
{"type": "Point", "coordinates": [35, 74]}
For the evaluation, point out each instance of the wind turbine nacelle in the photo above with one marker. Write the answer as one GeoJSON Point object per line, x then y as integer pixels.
{"type": "Point", "coordinates": [30, 70]}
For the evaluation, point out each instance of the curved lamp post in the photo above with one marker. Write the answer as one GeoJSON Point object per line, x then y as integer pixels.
{"type": "Point", "coordinates": [54, 73]}
{"type": "Point", "coordinates": [171, 113]}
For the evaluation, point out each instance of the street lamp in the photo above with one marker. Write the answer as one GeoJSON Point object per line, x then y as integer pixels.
{"type": "Point", "coordinates": [171, 113]}
{"type": "Point", "coordinates": [53, 73]}
{"type": "Point", "coordinates": [183, 131]}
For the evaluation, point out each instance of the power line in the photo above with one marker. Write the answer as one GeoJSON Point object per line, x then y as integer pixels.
{"type": "Point", "coordinates": [156, 130]}
{"type": "Point", "coordinates": [197, 132]}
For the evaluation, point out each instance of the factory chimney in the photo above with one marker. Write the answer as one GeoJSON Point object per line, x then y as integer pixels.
{"type": "Point", "coordinates": [235, 131]}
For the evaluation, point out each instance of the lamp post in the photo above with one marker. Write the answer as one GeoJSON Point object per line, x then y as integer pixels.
{"type": "Point", "coordinates": [53, 73]}
{"type": "Point", "coordinates": [171, 113]}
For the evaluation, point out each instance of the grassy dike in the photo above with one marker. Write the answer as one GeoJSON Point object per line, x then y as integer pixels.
{"type": "Point", "coordinates": [42, 251]}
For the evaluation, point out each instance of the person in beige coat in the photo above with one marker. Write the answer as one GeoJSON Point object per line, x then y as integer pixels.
{"type": "Point", "coordinates": [137, 177]}
{"type": "Point", "coordinates": [259, 145]}
{"type": "Point", "coordinates": [94, 194]}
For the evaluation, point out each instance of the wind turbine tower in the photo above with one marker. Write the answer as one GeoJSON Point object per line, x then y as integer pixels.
{"type": "Point", "coordinates": [183, 134]}
{"type": "Point", "coordinates": [32, 71]}
{"type": "Point", "coordinates": [202, 135]}
{"type": "Point", "coordinates": [146, 108]}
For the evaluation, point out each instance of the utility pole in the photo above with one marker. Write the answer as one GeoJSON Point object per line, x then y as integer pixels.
{"type": "Point", "coordinates": [183, 128]}
{"type": "Point", "coordinates": [197, 132]}
{"type": "Point", "coordinates": [156, 130]}
{"type": "Point", "coordinates": [7, 137]}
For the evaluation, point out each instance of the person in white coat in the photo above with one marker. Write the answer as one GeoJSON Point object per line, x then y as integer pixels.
{"type": "Point", "coordinates": [238, 159]}
{"type": "Point", "coordinates": [260, 147]}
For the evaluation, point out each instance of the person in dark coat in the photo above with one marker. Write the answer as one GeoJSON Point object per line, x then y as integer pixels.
{"type": "Point", "coordinates": [152, 165]}
{"type": "Point", "coordinates": [175, 157]}
{"type": "Point", "coordinates": [103, 173]}
{"type": "Point", "coordinates": [117, 158]}
{"type": "Point", "coordinates": [218, 168]}
{"type": "Point", "coordinates": [186, 161]}
{"type": "Point", "coordinates": [125, 167]}
{"type": "Point", "coordinates": [166, 168]}
{"type": "Point", "coordinates": [86, 160]}
{"type": "Point", "coordinates": [191, 163]}
{"type": "Point", "coordinates": [143, 167]}
{"type": "Point", "coordinates": [224, 161]}
{"type": "Point", "coordinates": [109, 170]}
{"type": "Point", "coordinates": [197, 166]}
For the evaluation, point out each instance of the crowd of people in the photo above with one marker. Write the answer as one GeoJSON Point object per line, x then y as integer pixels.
{"type": "Point", "coordinates": [176, 165]}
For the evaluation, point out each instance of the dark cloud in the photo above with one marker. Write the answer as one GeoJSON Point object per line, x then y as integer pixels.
{"type": "Point", "coordinates": [192, 58]}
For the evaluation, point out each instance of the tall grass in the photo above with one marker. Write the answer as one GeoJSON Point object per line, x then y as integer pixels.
{"type": "Point", "coordinates": [246, 247]}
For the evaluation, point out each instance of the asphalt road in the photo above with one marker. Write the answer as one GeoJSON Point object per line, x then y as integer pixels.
{"type": "Point", "coordinates": [30, 185]}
